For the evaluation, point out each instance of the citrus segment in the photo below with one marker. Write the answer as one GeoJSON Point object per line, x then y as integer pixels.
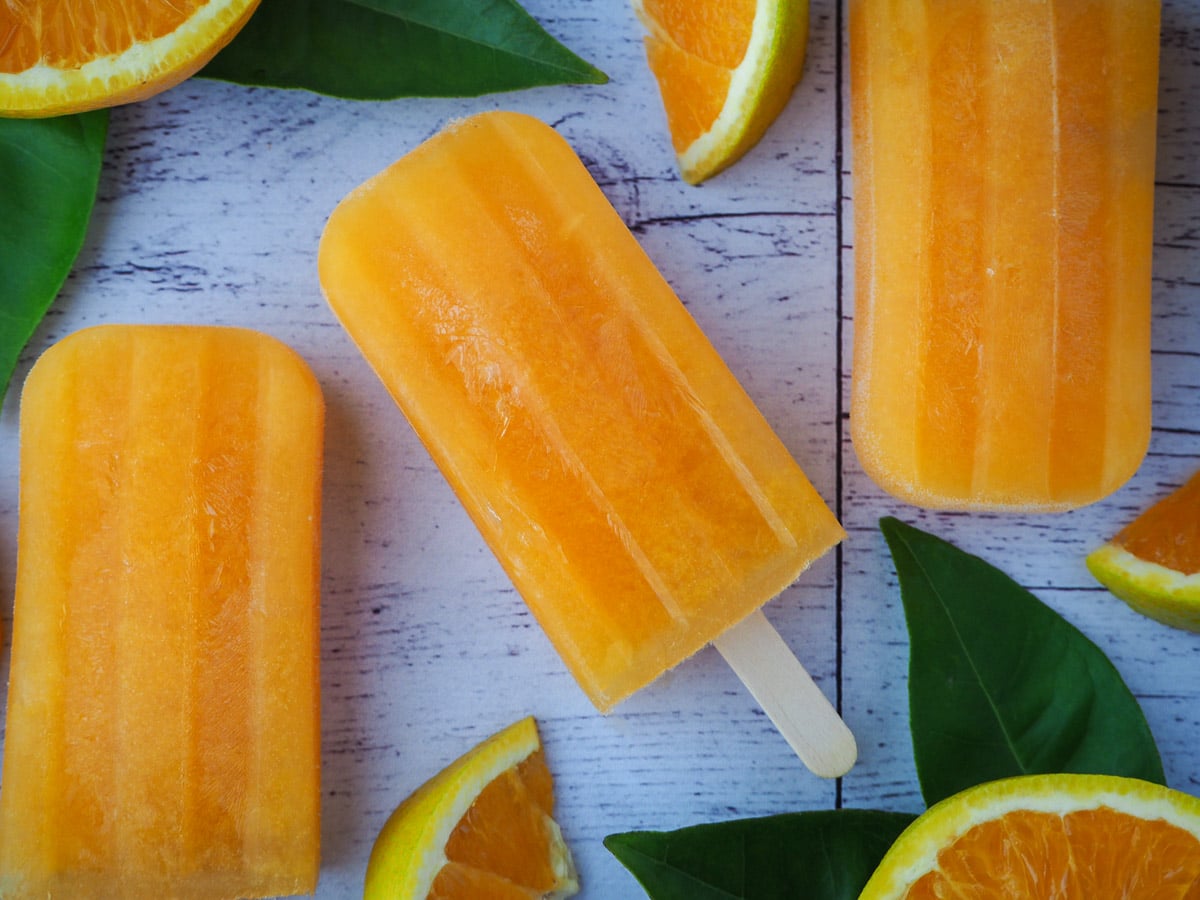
{"type": "Point", "coordinates": [1069, 836]}
{"type": "Point", "coordinates": [62, 56]}
{"type": "Point", "coordinates": [718, 32]}
{"type": "Point", "coordinates": [692, 88]}
{"type": "Point", "coordinates": [1153, 563]}
{"type": "Point", "coordinates": [482, 828]}
{"type": "Point", "coordinates": [1168, 533]}
{"type": "Point", "coordinates": [725, 69]}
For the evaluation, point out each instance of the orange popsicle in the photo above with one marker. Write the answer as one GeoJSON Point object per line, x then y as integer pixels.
{"type": "Point", "coordinates": [1003, 191]}
{"type": "Point", "coordinates": [162, 728]}
{"type": "Point", "coordinates": [630, 488]}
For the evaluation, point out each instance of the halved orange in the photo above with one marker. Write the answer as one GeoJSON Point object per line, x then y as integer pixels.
{"type": "Point", "coordinates": [1075, 837]}
{"type": "Point", "coordinates": [481, 829]}
{"type": "Point", "coordinates": [1153, 563]}
{"type": "Point", "coordinates": [725, 70]}
{"type": "Point", "coordinates": [64, 56]}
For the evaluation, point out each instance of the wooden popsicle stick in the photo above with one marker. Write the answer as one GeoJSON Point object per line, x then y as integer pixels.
{"type": "Point", "coordinates": [789, 696]}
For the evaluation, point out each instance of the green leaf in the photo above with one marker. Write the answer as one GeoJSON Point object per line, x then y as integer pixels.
{"type": "Point", "coordinates": [825, 855]}
{"type": "Point", "coordinates": [51, 169]}
{"type": "Point", "coordinates": [381, 49]}
{"type": "Point", "coordinates": [1000, 684]}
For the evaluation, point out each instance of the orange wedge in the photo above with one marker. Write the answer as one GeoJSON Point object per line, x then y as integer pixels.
{"type": "Point", "coordinates": [1092, 837]}
{"type": "Point", "coordinates": [64, 56]}
{"type": "Point", "coordinates": [1153, 563]}
{"type": "Point", "coordinates": [481, 829]}
{"type": "Point", "coordinates": [725, 70]}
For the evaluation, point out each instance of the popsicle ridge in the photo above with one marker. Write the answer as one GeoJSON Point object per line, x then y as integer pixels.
{"type": "Point", "coordinates": [613, 351]}
{"type": "Point", "coordinates": [608, 284]}
{"type": "Point", "coordinates": [884, 332]}
{"type": "Point", "coordinates": [282, 796]}
{"type": "Point", "coordinates": [1018, 329]}
{"type": "Point", "coordinates": [500, 377]}
{"type": "Point", "coordinates": [153, 508]}
{"type": "Point", "coordinates": [1106, 232]}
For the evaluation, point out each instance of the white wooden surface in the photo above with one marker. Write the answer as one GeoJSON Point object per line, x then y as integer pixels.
{"type": "Point", "coordinates": [212, 201]}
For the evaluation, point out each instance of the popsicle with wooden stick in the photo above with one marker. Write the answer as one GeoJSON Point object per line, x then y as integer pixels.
{"type": "Point", "coordinates": [628, 485]}
{"type": "Point", "coordinates": [163, 723]}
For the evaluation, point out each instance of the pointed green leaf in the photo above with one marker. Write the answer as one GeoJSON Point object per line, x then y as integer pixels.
{"type": "Point", "coordinates": [51, 168]}
{"type": "Point", "coordinates": [999, 683]}
{"type": "Point", "coordinates": [824, 855]}
{"type": "Point", "coordinates": [380, 49]}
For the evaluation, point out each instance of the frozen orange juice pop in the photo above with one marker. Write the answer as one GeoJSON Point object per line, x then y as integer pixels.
{"type": "Point", "coordinates": [162, 728]}
{"type": "Point", "coordinates": [632, 491]}
{"type": "Point", "coordinates": [1003, 193]}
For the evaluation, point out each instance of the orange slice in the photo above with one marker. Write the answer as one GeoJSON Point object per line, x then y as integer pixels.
{"type": "Point", "coordinates": [64, 56]}
{"type": "Point", "coordinates": [481, 829]}
{"type": "Point", "coordinates": [725, 70]}
{"type": "Point", "coordinates": [1153, 563]}
{"type": "Point", "coordinates": [1092, 837]}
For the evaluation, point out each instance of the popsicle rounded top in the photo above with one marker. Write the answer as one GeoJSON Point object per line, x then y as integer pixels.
{"type": "Point", "coordinates": [628, 485]}
{"type": "Point", "coordinates": [1004, 183]}
{"type": "Point", "coordinates": [180, 343]}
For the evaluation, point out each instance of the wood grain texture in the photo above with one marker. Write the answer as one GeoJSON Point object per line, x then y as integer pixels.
{"type": "Point", "coordinates": [212, 201]}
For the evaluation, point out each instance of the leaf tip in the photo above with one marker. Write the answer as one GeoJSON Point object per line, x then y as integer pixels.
{"type": "Point", "coordinates": [617, 843]}
{"type": "Point", "coordinates": [894, 532]}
